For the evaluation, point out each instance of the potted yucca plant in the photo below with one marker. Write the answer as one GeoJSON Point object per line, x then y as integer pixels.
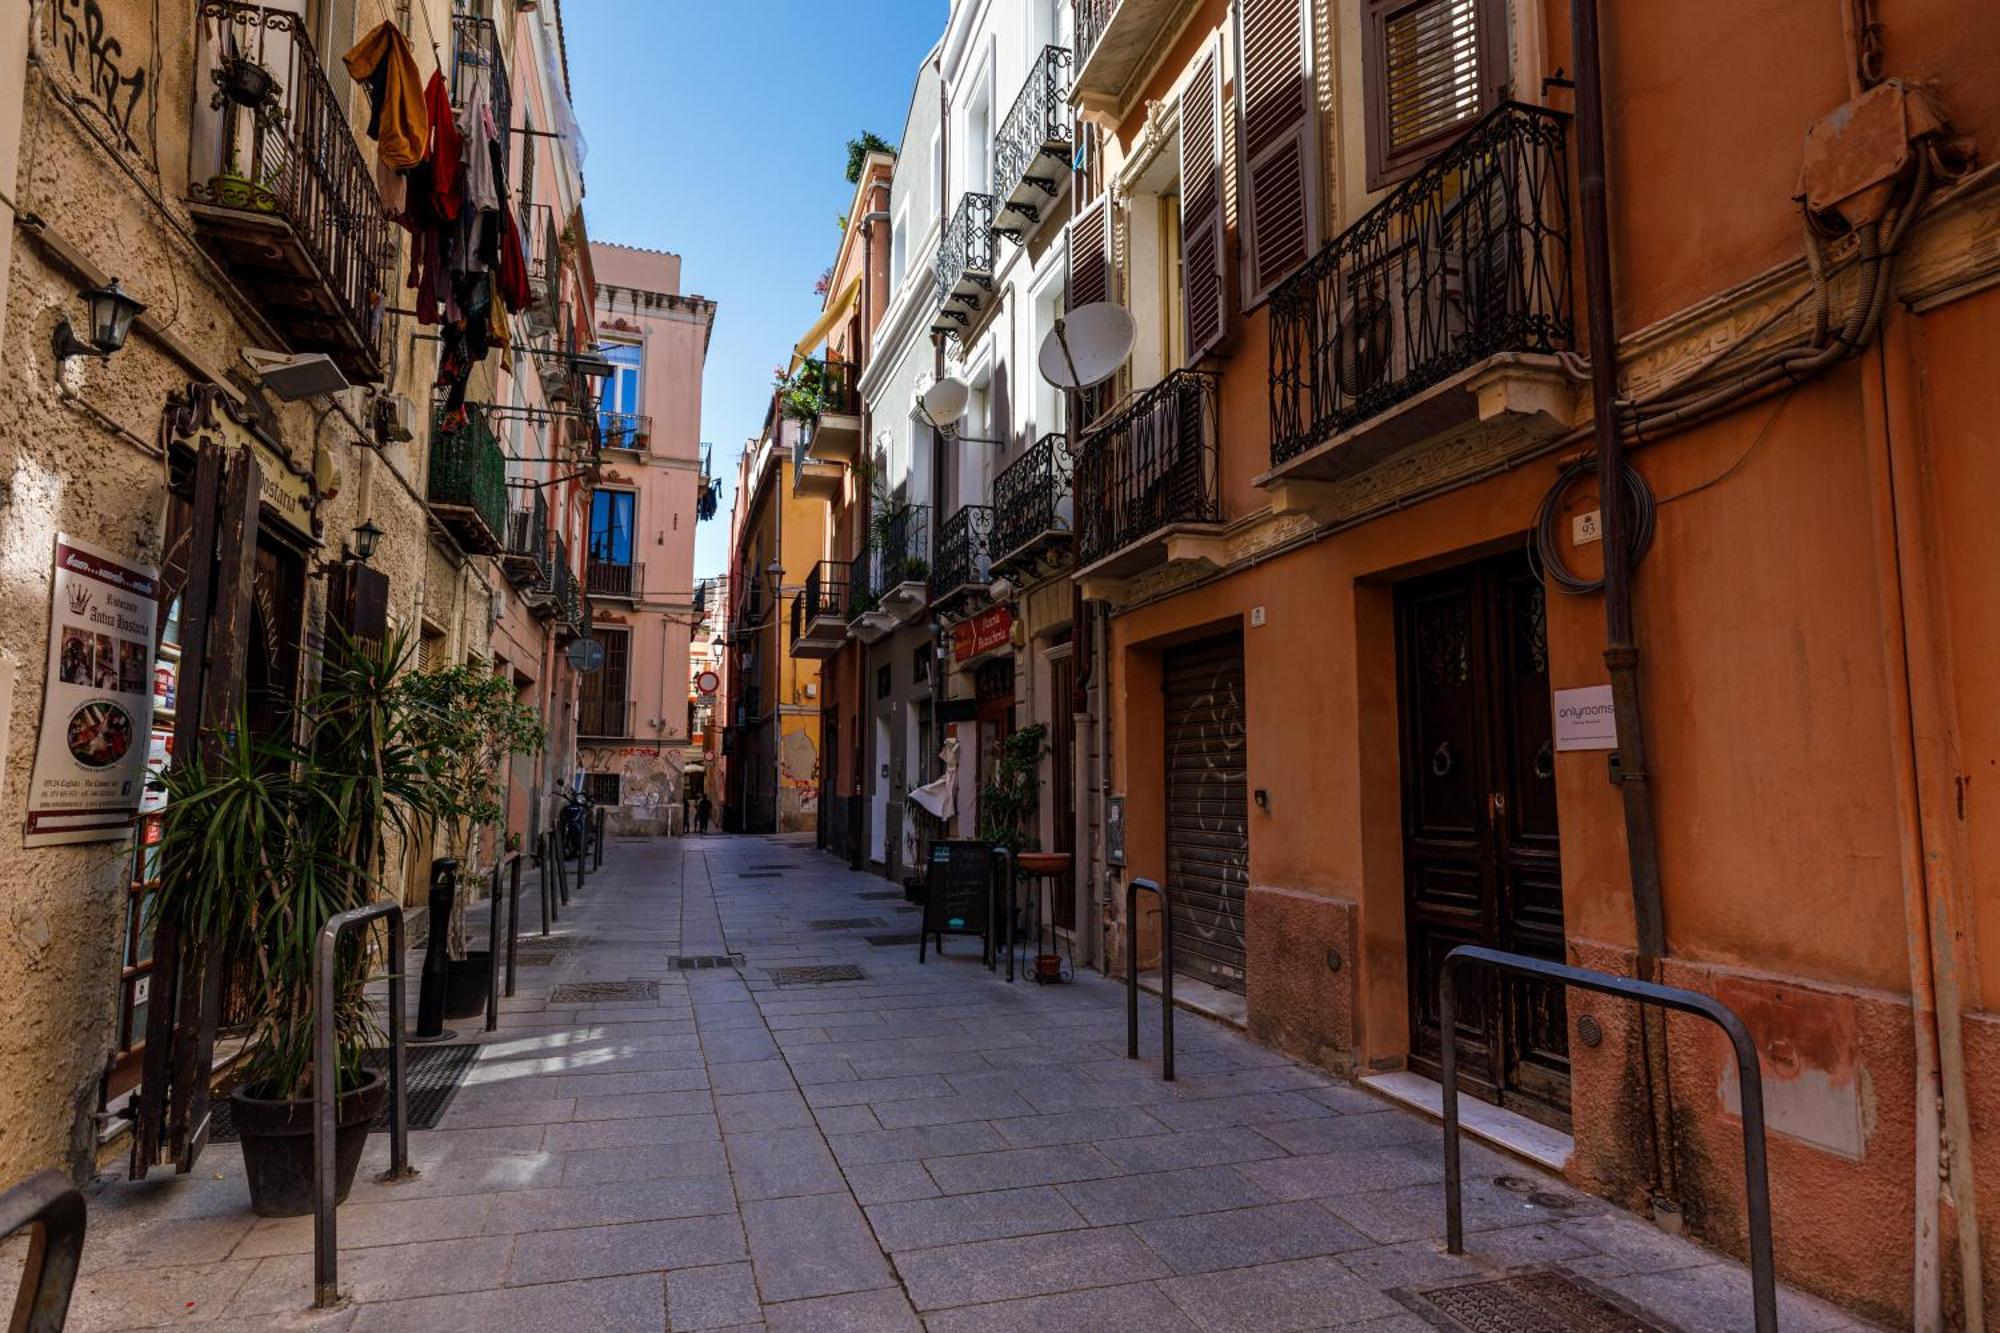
{"type": "Point", "coordinates": [264, 841]}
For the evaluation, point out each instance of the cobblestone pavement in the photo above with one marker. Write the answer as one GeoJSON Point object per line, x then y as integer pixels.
{"type": "Point", "coordinates": [925, 1147]}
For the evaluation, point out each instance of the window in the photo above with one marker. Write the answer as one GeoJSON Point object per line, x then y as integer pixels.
{"type": "Point", "coordinates": [1430, 67]}
{"type": "Point", "coordinates": [601, 704]}
{"type": "Point", "coordinates": [603, 788]}
{"type": "Point", "coordinates": [885, 684]}
{"type": "Point", "coordinates": [621, 390]}
{"type": "Point", "coordinates": [611, 527]}
{"type": "Point", "coordinates": [920, 665]}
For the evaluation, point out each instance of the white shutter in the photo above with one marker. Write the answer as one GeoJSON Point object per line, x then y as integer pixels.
{"type": "Point", "coordinates": [1203, 280]}
{"type": "Point", "coordinates": [1277, 149]}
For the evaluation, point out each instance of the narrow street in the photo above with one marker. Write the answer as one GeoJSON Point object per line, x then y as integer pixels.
{"type": "Point", "coordinates": [926, 1147]}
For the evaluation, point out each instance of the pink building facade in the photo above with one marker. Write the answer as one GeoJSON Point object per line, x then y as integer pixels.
{"type": "Point", "coordinates": [632, 716]}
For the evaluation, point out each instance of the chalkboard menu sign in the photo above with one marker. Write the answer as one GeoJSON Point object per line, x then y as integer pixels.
{"type": "Point", "coordinates": [958, 891]}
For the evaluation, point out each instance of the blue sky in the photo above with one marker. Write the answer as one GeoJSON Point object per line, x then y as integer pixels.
{"type": "Point", "coordinates": [719, 131]}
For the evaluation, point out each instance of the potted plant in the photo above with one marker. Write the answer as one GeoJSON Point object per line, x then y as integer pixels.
{"type": "Point", "coordinates": [470, 724]}
{"type": "Point", "coordinates": [802, 394]}
{"type": "Point", "coordinates": [263, 842]}
{"type": "Point", "coordinates": [916, 569]}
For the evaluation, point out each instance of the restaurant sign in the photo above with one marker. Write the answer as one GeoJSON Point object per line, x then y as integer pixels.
{"type": "Point", "coordinates": [205, 413]}
{"type": "Point", "coordinates": [97, 698]}
{"type": "Point", "coordinates": [984, 633]}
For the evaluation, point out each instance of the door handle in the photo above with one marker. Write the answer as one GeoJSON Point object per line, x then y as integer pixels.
{"type": "Point", "coordinates": [1496, 807]}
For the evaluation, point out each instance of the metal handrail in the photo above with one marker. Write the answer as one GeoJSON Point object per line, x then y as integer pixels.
{"type": "Point", "coordinates": [1132, 888]}
{"type": "Point", "coordinates": [1756, 1175]}
{"type": "Point", "coordinates": [49, 1203]}
{"type": "Point", "coordinates": [326, 1243]}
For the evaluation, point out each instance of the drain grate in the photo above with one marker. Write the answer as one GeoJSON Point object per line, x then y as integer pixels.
{"type": "Point", "coordinates": [539, 951]}
{"type": "Point", "coordinates": [884, 895]}
{"type": "Point", "coordinates": [760, 874]}
{"type": "Point", "coordinates": [604, 992]}
{"type": "Point", "coordinates": [817, 975]}
{"type": "Point", "coordinates": [880, 940]}
{"type": "Point", "coordinates": [1543, 1302]}
{"type": "Point", "coordinates": [847, 923]}
{"type": "Point", "coordinates": [433, 1074]}
{"type": "Point", "coordinates": [693, 962]}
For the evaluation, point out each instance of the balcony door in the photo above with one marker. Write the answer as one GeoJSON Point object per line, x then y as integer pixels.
{"type": "Point", "coordinates": [1481, 852]}
{"type": "Point", "coordinates": [602, 694]}
{"type": "Point", "coordinates": [611, 515]}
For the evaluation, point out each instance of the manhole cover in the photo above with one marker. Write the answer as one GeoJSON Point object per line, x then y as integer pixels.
{"type": "Point", "coordinates": [1531, 1303]}
{"type": "Point", "coordinates": [847, 923]}
{"type": "Point", "coordinates": [880, 940]}
{"type": "Point", "coordinates": [691, 962]}
{"type": "Point", "coordinates": [604, 992]}
{"type": "Point", "coordinates": [880, 897]}
{"type": "Point", "coordinates": [533, 951]}
{"type": "Point", "coordinates": [433, 1074]}
{"type": "Point", "coordinates": [814, 976]}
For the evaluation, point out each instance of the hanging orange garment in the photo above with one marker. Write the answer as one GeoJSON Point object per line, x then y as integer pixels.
{"type": "Point", "coordinates": [397, 118]}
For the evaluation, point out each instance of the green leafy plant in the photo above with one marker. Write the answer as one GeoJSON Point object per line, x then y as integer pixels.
{"type": "Point", "coordinates": [1008, 799]}
{"type": "Point", "coordinates": [469, 724]}
{"type": "Point", "coordinates": [802, 394]}
{"type": "Point", "coordinates": [264, 841]}
{"type": "Point", "coordinates": [858, 150]}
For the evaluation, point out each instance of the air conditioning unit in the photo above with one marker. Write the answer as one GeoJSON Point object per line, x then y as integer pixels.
{"type": "Point", "coordinates": [395, 419]}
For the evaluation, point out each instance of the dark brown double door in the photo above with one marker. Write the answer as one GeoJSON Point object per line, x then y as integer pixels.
{"type": "Point", "coordinates": [1481, 855]}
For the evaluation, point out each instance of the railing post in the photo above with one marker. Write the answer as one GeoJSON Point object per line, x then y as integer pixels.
{"type": "Point", "coordinates": [326, 1244]}
{"type": "Point", "coordinates": [513, 917]}
{"type": "Point", "coordinates": [58, 1216]}
{"type": "Point", "coordinates": [493, 951]}
{"type": "Point", "coordinates": [1132, 887]}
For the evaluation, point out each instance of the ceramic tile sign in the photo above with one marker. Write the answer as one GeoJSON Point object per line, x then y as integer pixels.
{"type": "Point", "coordinates": [97, 698]}
{"type": "Point", "coordinates": [1585, 719]}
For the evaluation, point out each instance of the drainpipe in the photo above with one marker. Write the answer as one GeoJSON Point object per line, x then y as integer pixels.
{"type": "Point", "coordinates": [1621, 649]}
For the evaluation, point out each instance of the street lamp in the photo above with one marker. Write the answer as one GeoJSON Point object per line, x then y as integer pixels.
{"type": "Point", "coordinates": [367, 538]}
{"type": "Point", "coordinates": [111, 314]}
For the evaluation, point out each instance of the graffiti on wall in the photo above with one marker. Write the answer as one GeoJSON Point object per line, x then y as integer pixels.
{"type": "Point", "coordinates": [106, 81]}
{"type": "Point", "coordinates": [798, 769]}
{"type": "Point", "coordinates": [645, 782]}
{"type": "Point", "coordinates": [1206, 761]}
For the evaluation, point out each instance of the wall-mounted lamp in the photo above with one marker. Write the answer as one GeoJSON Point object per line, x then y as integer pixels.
{"type": "Point", "coordinates": [111, 314]}
{"type": "Point", "coordinates": [775, 572]}
{"type": "Point", "coordinates": [367, 538]}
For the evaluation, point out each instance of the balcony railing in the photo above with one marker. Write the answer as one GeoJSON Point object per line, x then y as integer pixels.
{"type": "Point", "coordinates": [1092, 16]}
{"type": "Point", "coordinates": [624, 430]}
{"type": "Point", "coordinates": [964, 556]}
{"type": "Point", "coordinates": [902, 548]}
{"type": "Point", "coordinates": [1150, 464]}
{"type": "Point", "coordinates": [1468, 258]}
{"type": "Point", "coordinates": [1033, 152]}
{"type": "Point", "coordinates": [864, 594]}
{"type": "Point", "coordinates": [614, 578]}
{"type": "Point", "coordinates": [468, 477]}
{"type": "Point", "coordinates": [603, 717]}
{"type": "Point", "coordinates": [543, 245]}
{"type": "Point", "coordinates": [281, 193]}
{"type": "Point", "coordinates": [1031, 499]}
{"type": "Point", "coordinates": [526, 558]}
{"type": "Point", "coordinates": [476, 58]}
{"type": "Point", "coordinates": [965, 266]}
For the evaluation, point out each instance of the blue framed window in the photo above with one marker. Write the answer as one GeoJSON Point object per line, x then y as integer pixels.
{"type": "Point", "coordinates": [619, 399]}
{"type": "Point", "coordinates": [611, 527]}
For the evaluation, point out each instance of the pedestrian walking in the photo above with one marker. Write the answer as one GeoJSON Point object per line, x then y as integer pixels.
{"type": "Point", "coordinates": [701, 813]}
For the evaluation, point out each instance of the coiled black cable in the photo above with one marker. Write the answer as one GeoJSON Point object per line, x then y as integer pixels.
{"type": "Point", "coordinates": [1547, 541]}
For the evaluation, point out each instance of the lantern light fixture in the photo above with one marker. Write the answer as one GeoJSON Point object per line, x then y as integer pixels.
{"type": "Point", "coordinates": [112, 311]}
{"type": "Point", "coordinates": [367, 538]}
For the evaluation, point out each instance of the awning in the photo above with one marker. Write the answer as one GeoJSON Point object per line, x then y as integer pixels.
{"type": "Point", "coordinates": [836, 310]}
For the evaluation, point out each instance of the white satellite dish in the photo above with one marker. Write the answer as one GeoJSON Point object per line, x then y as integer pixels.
{"type": "Point", "coordinates": [944, 402]}
{"type": "Point", "coordinates": [1087, 346]}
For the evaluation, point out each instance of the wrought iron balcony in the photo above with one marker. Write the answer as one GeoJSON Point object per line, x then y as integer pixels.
{"type": "Point", "coordinates": [621, 579]}
{"type": "Point", "coordinates": [1148, 467]}
{"type": "Point", "coordinates": [526, 557]}
{"type": "Point", "coordinates": [1033, 152]}
{"type": "Point", "coordinates": [963, 567]}
{"type": "Point", "coordinates": [819, 611]}
{"type": "Point", "coordinates": [607, 718]}
{"type": "Point", "coordinates": [543, 244]}
{"type": "Point", "coordinates": [624, 430]}
{"type": "Point", "coordinates": [468, 477]}
{"type": "Point", "coordinates": [1467, 260]}
{"type": "Point", "coordinates": [475, 59]}
{"type": "Point", "coordinates": [279, 191]}
{"type": "Point", "coordinates": [1032, 510]}
{"type": "Point", "coordinates": [965, 267]}
{"type": "Point", "coordinates": [569, 597]}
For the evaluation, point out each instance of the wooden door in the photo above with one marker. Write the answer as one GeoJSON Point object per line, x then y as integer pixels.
{"type": "Point", "coordinates": [1481, 853]}
{"type": "Point", "coordinates": [1208, 817]}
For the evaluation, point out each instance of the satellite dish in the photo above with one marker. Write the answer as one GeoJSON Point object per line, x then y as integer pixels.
{"type": "Point", "coordinates": [586, 655]}
{"type": "Point", "coordinates": [1087, 346]}
{"type": "Point", "coordinates": [944, 402]}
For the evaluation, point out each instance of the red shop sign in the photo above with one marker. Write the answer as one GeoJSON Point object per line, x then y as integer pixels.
{"type": "Point", "coordinates": [988, 630]}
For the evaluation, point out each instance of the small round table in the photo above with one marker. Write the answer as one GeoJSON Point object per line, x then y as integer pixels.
{"type": "Point", "coordinates": [1043, 869]}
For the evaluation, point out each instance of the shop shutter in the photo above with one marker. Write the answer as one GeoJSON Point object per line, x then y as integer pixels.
{"type": "Point", "coordinates": [1277, 150]}
{"type": "Point", "coordinates": [1202, 280]}
{"type": "Point", "coordinates": [1207, 815]}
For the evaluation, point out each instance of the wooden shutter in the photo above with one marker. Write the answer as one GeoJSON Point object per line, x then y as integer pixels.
{"type": "Point", "coordinates": [1202, 277]}
{"type": "Point", "coordinates": [1430, 67]}
{"type": "Point", "coordinates": [1277, 152]}
{"type": "Point", "coordinates": [1088, 281]}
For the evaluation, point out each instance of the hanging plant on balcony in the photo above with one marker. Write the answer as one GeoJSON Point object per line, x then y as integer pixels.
{"type": "Point", "coordinates": [241, 80]}
{"type": "Point", "coordinates": [824, 283]}
{"type": "Point", "coordinates": [802, 394]}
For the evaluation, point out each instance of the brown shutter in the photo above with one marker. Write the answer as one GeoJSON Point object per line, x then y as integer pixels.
{"type": "Point", "coordinates": [1276, 150]}
{"type": "Point", "coordinates": [1088, 281]}
{"type": "Point", "coordinates": [1430, 67]}
{"type": "Point", "coordinates": [1201, 204]}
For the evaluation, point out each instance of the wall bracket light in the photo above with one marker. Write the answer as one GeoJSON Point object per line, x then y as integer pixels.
{"type": "Point", "coordinates": [112, 311]}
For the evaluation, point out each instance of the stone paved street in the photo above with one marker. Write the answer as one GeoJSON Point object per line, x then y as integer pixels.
{"type": "Point", "coordinates": [925, 1148]}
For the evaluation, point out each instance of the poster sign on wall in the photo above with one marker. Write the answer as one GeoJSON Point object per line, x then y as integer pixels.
{"type": "Point", "coordinates": [1585, 719]}
{"type": "Point", "coordinates": [97, 698]}
{"type": "Point", "coordinates": [986, 632]}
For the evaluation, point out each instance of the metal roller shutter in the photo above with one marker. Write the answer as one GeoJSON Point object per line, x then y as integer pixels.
{"type": "Point", "coordinates": [1208, 834]}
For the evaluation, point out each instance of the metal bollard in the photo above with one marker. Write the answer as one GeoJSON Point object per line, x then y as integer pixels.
{"type": "Point", "coordinates": [513, 917]}
{"type": "Point", "coordinates": [493, 951]}
{"type": "Point", "coordinates": [437, 966]}
{"type": "Point", "coordinates": [597, 859]}
{"type": "Point", "coordinates": [1132, 888]}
